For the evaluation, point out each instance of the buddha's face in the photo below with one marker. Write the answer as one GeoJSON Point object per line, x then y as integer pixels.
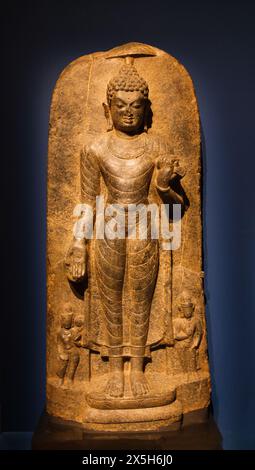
{"type": "Point", "coordinates": [127, 111]}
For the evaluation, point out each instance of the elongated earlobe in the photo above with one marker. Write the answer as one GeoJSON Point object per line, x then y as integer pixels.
{"type": "Point", "coordinates": [108, 117]}
{"type": "Point", "coordinates": [146, 117]}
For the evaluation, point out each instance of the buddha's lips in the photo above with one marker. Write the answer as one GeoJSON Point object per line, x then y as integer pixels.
{"type": "Point", "coordinates": [128, 120]}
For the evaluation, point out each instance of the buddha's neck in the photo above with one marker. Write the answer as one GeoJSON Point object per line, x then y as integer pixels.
{"type": "Point", "coordinates": [124, 135]}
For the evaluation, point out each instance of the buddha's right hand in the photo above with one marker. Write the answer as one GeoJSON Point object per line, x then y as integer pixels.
{"type": "Point", "coordinates": [75, 262]}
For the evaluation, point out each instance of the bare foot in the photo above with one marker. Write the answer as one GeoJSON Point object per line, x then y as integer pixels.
{"type": "Point", "coordinates": [115, 385]}
{"type": "Point", "coordinates": [139, 384]}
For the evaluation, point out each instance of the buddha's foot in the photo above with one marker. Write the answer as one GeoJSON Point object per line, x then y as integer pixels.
{"type": "Point", "coordinates": [115, 385]}
{"type": "Point", "coordinates": [139, 384]}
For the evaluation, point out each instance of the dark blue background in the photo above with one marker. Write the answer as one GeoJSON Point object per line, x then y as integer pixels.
{"type": "Point", "coordinates": [215, 42]}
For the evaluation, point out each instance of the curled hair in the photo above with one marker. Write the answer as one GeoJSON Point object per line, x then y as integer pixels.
{"type": "Point", "coordinates": [127, 79]}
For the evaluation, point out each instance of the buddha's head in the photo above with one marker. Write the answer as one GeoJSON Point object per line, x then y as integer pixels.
{"type": "Point", "coordinates": [127, 101]}
{"type": "Point", "coordinates": [186, 306]}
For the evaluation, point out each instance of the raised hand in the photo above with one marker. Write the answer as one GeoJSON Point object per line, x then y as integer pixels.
{"type": "Point", "coordinates": [164, 171]}
{"type": "Point", "coordinates": [167, 171]}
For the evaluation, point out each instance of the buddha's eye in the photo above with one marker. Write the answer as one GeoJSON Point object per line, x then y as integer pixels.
{"type": "Point", "coordinates": [119, 105]}
{"type": "Point", "coordinates": [137, 105]}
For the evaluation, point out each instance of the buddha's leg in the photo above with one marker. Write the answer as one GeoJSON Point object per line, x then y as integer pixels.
{"type": "Point", "coordinates": [110, 260]}
{"type": "Point", "coordinates": [142, 269]}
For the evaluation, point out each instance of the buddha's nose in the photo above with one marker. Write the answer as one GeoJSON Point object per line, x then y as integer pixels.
{"type": "Point", "coordinates": [128, 109]}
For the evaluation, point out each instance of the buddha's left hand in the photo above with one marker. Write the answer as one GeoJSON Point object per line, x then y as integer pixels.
{"type": "Point", "coordinates": [167, 171]}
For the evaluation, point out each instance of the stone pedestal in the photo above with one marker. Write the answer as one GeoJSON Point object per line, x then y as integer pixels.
{"type": "Point", "coordinates": [198, 431]}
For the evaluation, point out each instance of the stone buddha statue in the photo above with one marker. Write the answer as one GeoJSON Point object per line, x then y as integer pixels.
{"type": "Point", "coordinates": [127, 160]}
{"type": "Point", "coordinates": [122, 178]}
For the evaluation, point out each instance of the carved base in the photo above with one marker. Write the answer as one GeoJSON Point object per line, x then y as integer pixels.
{"type": "Point", "coordinates": [197, 433]}
{"type": "Point", "coordinates": [132, 420]}
{"type": "Point", "coordinates": [161, 407]}
{"type": "Point", "coordinates": [99, 401]}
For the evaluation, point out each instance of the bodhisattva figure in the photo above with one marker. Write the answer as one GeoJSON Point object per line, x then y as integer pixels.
{"type": "Point", "coordinates": [125, 157]}
{"type": "Point", "coordinates": [69, 339]}
{"type": "Point", "coordinates": [187, 333]}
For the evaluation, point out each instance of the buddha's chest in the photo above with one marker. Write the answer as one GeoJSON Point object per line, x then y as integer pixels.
{"type": "Point", "coordinates": [127, 167]}
{"type": "Point", "coordinates": [113, 166]}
